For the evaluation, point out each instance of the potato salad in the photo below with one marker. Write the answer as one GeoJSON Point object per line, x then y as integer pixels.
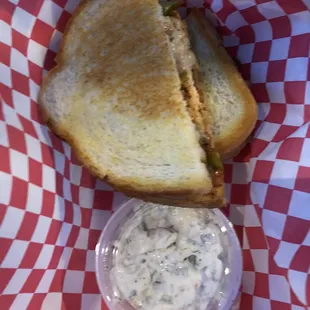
{"type": "Point", "coordinates": [168, 258]}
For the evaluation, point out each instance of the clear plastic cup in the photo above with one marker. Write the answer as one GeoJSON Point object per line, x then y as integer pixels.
{"type": "Point", "coordinates": [231, 260]}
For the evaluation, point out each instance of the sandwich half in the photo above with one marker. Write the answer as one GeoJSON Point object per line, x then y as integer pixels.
{"type": "Point", "coordinates": [123, 95]}
{"type": "Point", "coordinates": [230, 104]}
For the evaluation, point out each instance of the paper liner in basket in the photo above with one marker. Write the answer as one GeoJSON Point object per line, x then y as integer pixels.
{"type": "Point", "coordinates": [52, 211]}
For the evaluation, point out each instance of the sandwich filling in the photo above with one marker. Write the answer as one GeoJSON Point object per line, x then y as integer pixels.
{"type": "Point", "coordinates": [188, 70]}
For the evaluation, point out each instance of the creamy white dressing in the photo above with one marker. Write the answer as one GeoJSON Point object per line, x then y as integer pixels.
{"type": "Point", "coordinates": [179, 42]}
{"type": "Point", "coordinates": [167, 259]}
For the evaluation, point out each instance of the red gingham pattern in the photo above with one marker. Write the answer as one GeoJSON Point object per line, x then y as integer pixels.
{"type": "Point", "coordinates": [52, 211]}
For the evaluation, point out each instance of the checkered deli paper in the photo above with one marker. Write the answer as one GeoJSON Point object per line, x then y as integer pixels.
{"type": "Point", "coordinates": [52, 210]}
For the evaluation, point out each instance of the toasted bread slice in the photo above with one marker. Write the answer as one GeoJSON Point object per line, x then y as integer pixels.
{"type": "Point", "coordinates": [213, 199]}
{"type": "Point", "coordinates": [230, 103]}
{"type": "Point", "coordinates": [115, 96]}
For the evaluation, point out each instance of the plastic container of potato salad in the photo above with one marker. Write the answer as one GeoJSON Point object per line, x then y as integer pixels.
{"type": "Point", "coordinates": [155, 257]}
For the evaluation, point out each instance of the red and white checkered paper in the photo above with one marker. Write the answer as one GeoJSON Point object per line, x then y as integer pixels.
{"type": "Point", "coordinates": [52, 210]}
